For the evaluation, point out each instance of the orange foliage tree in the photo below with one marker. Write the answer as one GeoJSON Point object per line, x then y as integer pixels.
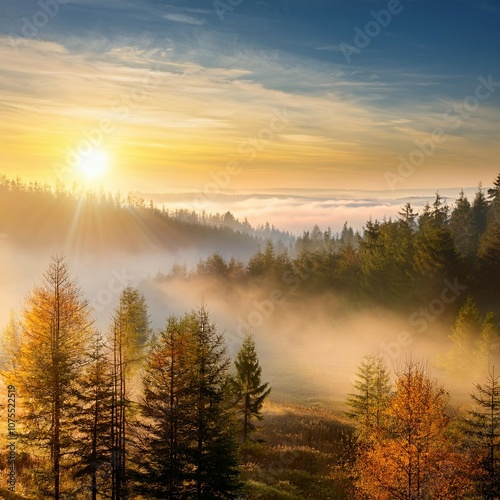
{"type": "Point", "coordinates": [413, 454]}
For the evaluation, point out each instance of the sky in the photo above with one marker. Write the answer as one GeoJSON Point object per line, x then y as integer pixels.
{"type": "Point", "coordinates": [247, 96]}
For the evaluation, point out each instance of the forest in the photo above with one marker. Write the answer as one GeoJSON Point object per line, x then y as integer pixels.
{"type": "Point", "coordinates": [162, 401]}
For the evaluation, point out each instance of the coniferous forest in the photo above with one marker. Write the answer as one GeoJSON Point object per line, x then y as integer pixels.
{"type": "Point", "coordinates": [131, 407]}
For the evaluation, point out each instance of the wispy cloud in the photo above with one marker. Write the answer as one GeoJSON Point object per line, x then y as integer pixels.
{"type": "Point", "coordinates": [185, 19]}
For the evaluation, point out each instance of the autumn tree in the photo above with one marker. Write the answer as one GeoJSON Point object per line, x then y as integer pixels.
{"type": "Point", "coordinates": [55, 333]}
{"type": "Point", "coordinates": [411, 455]}
{"type": "Point", "coordinates": [9, 345]}
{"type": "Point", "coordinates": [249, 390]}
{"type": "Point", "coordinates": [368, 403]}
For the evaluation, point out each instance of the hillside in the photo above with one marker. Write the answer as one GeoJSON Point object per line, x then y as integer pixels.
{"type": "Point", "coordinates": [36, 217]}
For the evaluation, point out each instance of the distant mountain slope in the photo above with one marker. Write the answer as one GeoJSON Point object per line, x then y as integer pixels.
{"type": "Point", "coordinates": [37, 217]}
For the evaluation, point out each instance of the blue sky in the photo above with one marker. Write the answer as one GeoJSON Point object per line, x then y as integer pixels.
{"type": "Point", "coordinates": [218, 83]}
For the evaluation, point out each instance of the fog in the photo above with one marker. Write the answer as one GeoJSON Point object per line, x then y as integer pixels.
{"type": "Point", "coordinates": [309, 346]}
{"type": "Point", "coordinates": [299, 210]}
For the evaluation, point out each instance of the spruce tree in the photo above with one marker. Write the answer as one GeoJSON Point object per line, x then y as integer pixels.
{"type": "Point", "coordinates": [465, 336]}
{"type": "Point", "coordinates": [480, 209]}
{"type": "Point", "coordinates": [92, 423]}
{"type": "Point", "coordinates": [163, 456]}
{"type": "Point", "coordinates": [130, 332]}
{"type": "Point", "coordinates": [215, 464]}
{"type": "Point", "coordinates": [373, 388]}
{"type": "Point", "coordinates": [436, 257]}
{"type": "Point", "coordinates": [250, 392]}
{"type": "Point", "coordinates": [489, 255]}
{"type": "Point", "coordinates": [188, 433]}
{"type": "Point", "coordinates": [462, 228]}
{"type": "Point", "coordinates": [134, 318]}
{"type": "Point", "coordinates": [483, 426]}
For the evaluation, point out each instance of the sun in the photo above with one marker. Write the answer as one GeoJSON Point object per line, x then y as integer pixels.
{"type": "Point", "coordinates": [94, 164]}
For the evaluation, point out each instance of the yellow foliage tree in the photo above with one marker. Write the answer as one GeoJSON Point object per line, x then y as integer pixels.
{"type": "Point", "coordinates": [54, 347]}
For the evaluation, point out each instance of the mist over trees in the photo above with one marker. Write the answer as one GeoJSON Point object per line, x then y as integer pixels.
{"type": "Point", "coordinates": [143, 410]}
{"type": "Point", "coordinates": [126, 415]}
{"type": "Point", "coordinates": [37, 215]}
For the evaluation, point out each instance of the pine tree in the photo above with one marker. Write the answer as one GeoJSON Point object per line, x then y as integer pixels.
{"type": "Point", "coordinates": [370, 400]}
{"type": "Point", "coordinates": [483, 426]}
{"type": "Point", "coordinates": [436, 257]}
{"type": "Point", "coordinates": [134, 318]}
{"type": "Point", "coordinates": [56, 331]}
{"type": "Point", "coordinates": [462, 228]}
{"type": "Point", "coordinates": [92, 423]}
{"type": "Point", "coordinates": [489, 343]}
{"type": "Point", "coordinates": [250, 392]}
{"type": "Point", "coordinates": [214, 453]}
{"type": "Point", "coordinates": [488, 275]}
{"type": "Point", "coordinates": [465, 337]}
{"type": "Point", "coordinates": [130, 332]}
{"type": "Point", "coordinates": [188, 430]}
{"type": "Point", "coordinates": [167, 423]}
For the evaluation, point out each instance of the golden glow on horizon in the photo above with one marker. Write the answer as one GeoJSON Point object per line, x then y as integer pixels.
{"type": "Point", "coordinates": [244, 136]}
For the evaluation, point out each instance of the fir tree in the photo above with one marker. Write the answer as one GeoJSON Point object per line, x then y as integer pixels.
{"type": "Point", "coordinates": [465, 336]}
{"type": "Point", "coordinates": [250, 392]}
{"type": "Point", "coordinates": [164, 456]}
{"type": "Point", "coordinates": [215, 471]}
{"type": "Point", "coordinates": [188, 431]}
{"type": "Point", "coordinates": [483, 426]}
{"type": "Point", "coordinates": [369, 401]}
{"type": "Point", "coordinates": [92, 423]}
